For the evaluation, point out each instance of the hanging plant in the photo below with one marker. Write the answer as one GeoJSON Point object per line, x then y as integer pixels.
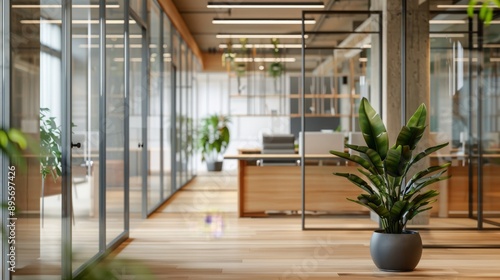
{"type": "Point", "coordinates": [276, 68]}
{"type": "Point", "coordinates": [228, 56]}
{"type": "Point", "coordinates": [240, 69]}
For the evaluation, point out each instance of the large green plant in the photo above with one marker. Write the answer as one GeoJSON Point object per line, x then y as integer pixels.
{"type": "Point", "coordinates": [390, 192]}
{"type": "Point", "coordinates": [214, 137]}
{"type": "Point", "coordinates": [486, 10]}
{"type": "Point", "coordinates": [50, 145]}
{"type": "Point", "coordinates": [12, 143]}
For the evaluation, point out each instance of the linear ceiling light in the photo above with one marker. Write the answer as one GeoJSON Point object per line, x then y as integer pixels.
{"type": "Point", "coordinates": [447, 21]}
{"type": "Point", "coordinates": [460, 6]}
{"type": "Point", "coordinates": [264, 5]}
{"type": "Point", "coordinates": [260, 36]}
{"type": "Point", "coordinates": [57, 6]}
{"type": "Point", "coordinates": [446, 35]}
{"type": "Point", "coordinates": [261, 21]}
{"type": "Point", "coordinates": [75, 21]}
{"type": "Point", "coordinates": [264, 59]}
{"type": "Point", "coordinates": [262, 46]}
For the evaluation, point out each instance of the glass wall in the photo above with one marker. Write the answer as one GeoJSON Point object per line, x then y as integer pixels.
{"type": "Point", "coordinates": [167, 91]}
{"type": "Point", "coordinates": [328, 95]}
{"type": "Point", "coordinates": [120, 130]}
{"type": "Point", "coordinates": [115, 121]}
{"type": "Point", "coordinates": [137, 91]}
{"type": "Point", "coordinates": [35, 106]}
{"type": "Point", "coordinates": [464, 106]}
{"type": "Point", "coordinates": [154, 107]}
{"type": "Point", "coordinates": [450, 64]}
{"type": "Point", "coordinates": [86, 132]}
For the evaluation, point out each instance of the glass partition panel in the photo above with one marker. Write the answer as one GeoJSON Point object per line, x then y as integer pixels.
{"type": "Point", "coordinates": [115, 121]}
{"type": "Point", "coordinates": [449, 110]}
{"type": "Point", "coordinates": [183, 118]}
{"type": "Point", "coordinates": [490, 127]}
{"type": "Point", "coordinates": [328, 96]}
{"type": "Point", "coordinates": [176, 58]}
{"type": "Point", "coordinates": [86, 131]}
{"type": "Point", "coordinates": [154, 112]}
{"type": "Point", "coordinates": [191, 133]}
{"type": "Point", "coordinates": [167, 108]}
{"type": "Point", "coordinates": [35, 108]}
{"type": "Point", "coordinates": [138, 89]}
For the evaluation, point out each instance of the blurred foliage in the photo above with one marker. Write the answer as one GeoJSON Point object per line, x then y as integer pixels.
{"type": "Point", "coordinates": [486, 10]}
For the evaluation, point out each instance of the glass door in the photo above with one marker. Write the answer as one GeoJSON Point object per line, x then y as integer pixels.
{"type": "Point", "coordinates": [35, 108]}
{"type": "Point", "coordinates": [86, 133]}
{"type": "Point", "coordinates": [137, 129]}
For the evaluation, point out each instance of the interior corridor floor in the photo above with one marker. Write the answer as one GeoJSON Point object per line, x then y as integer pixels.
{"type": "Point", "coordinates": [197, 235]}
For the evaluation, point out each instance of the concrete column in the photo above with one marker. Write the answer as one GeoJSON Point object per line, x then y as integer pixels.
{"type": "Point", "coordinates": [417, 60]}
{"type": "Point", "coordinates": [417, 68]}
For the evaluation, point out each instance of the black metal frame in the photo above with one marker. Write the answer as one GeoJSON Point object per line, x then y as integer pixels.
{"type": "Point", "coordinates": [303, 89]}
{"type": "Point", "coordinates": [470, 157]}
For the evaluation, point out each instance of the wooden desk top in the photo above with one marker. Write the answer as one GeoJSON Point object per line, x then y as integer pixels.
{"type": "Point", "coordinates": [279, 156]}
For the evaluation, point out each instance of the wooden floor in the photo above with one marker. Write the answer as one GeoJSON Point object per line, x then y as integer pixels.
{"type": "Point", "coordinates": [198, 236]}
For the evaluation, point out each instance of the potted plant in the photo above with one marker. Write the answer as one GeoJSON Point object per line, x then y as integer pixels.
{"type": "Point", "coordinates": [213, 140]}
{"type": "Point", "coordinates": [50, 154]}
{"type": "Point", "coordinates": [390, 191]}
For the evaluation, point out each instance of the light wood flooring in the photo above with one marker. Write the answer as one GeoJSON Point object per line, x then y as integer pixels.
{"type": "Point", "coordinates": [178, 243]}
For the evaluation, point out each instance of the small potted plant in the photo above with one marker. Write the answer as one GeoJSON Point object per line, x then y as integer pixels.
{"type": "Point", "coordinates": [390, 191]}
{"type": "Point", "coordinates": [213, 140]}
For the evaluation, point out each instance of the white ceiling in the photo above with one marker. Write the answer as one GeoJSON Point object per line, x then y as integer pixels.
{"type": "Point", "coordinates": [198, 18]}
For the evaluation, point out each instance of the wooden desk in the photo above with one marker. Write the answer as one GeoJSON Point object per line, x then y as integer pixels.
{"type": "Point", "coordinates": [278, 187]}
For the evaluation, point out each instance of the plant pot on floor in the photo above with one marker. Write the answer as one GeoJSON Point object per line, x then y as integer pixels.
{"type": "Point", "coordinates": [396, 251]}
{"type": "Point", "coordinates": [214, 166]}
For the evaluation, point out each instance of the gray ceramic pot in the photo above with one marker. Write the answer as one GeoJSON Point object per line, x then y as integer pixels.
{"type": "Point", "coordinates": [214, 166]}
{"type": "Point", "coordinates": [396, 252]}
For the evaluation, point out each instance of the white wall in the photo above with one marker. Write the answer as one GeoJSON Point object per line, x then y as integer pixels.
{"type": "Point", "coordinates": [246, 131]}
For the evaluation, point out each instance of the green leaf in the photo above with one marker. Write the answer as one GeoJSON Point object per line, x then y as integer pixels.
{"type": "Point", "coordinates": [427, 171]}
{"type": "Point", "coordinates": [470, 8]}
{"type": "Point", "coordinates": [357, 159]}
{"type": "Point", "coordinates": [371, 154]}
{"type": "Point", "coordinates": [419, 118]}
{"type": "Point", "coordinates": [410, 136]}
{"type": "Point", "coordinates": [427, 152]}
{"type": "Point", "coordinates": [393, 161]}
{"type": "Point", "coordinates": [356, 180]}
{"type": "Point", "coordinates": [376, 181]}
{"type": "Point", "coordinates": [373, 129]}
{"type": "Point", "coordinates": [399, 209]}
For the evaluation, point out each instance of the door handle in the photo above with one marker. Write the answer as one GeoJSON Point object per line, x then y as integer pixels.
{"type": "Point", "coordinates": [140, 145]}
{"type": "Point", "coordinates": [78, 145]}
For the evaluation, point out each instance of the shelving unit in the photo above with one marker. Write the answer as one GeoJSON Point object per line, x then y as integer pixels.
{"type": "Point", "coordinates": [258, 95]}
{"type": "Point", "coordinates": [330, 100]}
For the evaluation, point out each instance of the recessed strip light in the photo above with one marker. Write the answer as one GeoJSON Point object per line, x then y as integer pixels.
{"type": "Point", "coordinates": [264, 5]}
{"type": "Point", "coordinates": [58, 21]}
{"type": "Point", "coordinates": [446, 35]}
{"type": "Point", "coordinates": [460, 6]}
{"type": "Point", "coordinates": [261, 21]}
{"type": "Point", "coordinates": [447, 21]}
{"type": "Point", "coordinates": [264, 59]}
{"type": "Point", "coordinates": [109, 36]}
{"type": "Point", "coordinates": [260, 36]}
{"type": "Point", "coordinates": [57, 6]}
{"type": "Point", "coordinates": [262, 46]}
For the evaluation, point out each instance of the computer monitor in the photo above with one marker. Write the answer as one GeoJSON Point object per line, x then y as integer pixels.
{"type": "Point", "coordinates": [278, 144]}
{"type": "Point", "coordinates": [321, 143]}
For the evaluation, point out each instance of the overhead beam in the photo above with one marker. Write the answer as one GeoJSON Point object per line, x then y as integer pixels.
{"type": "Point", "coordinates": [175, 17]}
